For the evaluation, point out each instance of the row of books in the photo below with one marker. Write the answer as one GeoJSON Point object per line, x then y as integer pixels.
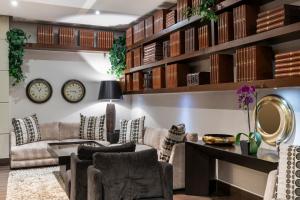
{"type": "Point", "coordinates": [137, 81]}
{"type": "Point", "coordinates": [182, 6]}
{"type": "Point", "coordinates": [204, 36]}
{"type": "Point", "coordinates": [45, 34]}
{"type": "Point", "coordinates": [129, 37]}
{"type": "Point", "coordinates": [277, 17]}
{"type": "Point", "coordinates": [129, 59]}
{"type": "Point", "coordinates": [66, 36]}
{"type": "Point", "coordinates": [86, 38]}
{"type": "Point", "coordinates": [137, 56]}
{"type": "Point", "coordinates": [105, 39]}
{"type": "Point", "coordinates": [254, 63]}
{"type": "Point", "coordinates": [149, 29]}
{"type": "Point", "coordinates": [176, 75]}
{"type": "Point", "coordinates": [139, 32]}
{"type": "Point", "coordinates": [158, 77]}
{"type": "Point", "coordinates": [176, 43]}
{"type": "Point", "coordinates": [191, 40]}
{"type": "Point", "coordinates": [221, 68]}
{"type": "Point", "coordinates": [160, 20]}
{"type": "Point", "coordinates": [198, 78]}
{"type": "Point", "coordinates": [244, 20]}
{"type": "Point", "coordinates": [171, 18]}
{"type": "Point", "coordinates": [287, 64]}
{"type": "Point", "coordinates": [153, 52]}
{"type": "Point", "coordinates": [225, 27]}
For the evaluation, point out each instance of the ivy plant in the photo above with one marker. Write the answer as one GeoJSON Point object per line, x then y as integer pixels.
{"type": "Point", "coordinates": [117, 57]}
{"type": "Point", "coordinates": [204, 10]}
{"type": "Point", "coordinates": [16, 39]}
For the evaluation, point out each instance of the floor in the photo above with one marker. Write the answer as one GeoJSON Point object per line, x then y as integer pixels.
{"type": "Point", "coordinates": [4, 171]}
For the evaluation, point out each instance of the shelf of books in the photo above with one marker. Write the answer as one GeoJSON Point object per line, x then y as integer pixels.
{"type": "Point", "coordinates": [62, 38]}
{"type": "Point", "coordinates": [237, 48]}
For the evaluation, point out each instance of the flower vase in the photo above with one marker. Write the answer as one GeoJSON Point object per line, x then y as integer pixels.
{"type": "Point", "coordinates": [248, 148]}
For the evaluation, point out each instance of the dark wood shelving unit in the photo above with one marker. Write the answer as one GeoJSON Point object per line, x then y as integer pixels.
{"type": "Point", "coordinates": [260, 84]}
{"type": "Point", "coordinates": [56, 47]}
{"type": "Point", "coordinates": [282, 34]}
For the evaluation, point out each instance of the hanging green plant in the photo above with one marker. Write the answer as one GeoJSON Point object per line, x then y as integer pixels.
{"type": "Point", "coordinates": [16, 39]}
{"type": "Point", "coordinates": [117, 57]}
{"type": "Point", "coordinates": [204, 10]}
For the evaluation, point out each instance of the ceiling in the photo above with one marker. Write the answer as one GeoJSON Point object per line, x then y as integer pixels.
{"type": "Point", "coordinates": [112, 12]}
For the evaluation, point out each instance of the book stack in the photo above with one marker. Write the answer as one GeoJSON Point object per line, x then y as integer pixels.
{"type": "Point", "coordinates": [129, 37]}
{"type": "Point", "coordinates": [176, 75]}
{"type": "Point", "coordinates": [196, 3]}
{"type": "Point", "coordinates": [105, 40]}
{"type": "Point", "coordinates": [275, 18]}
{"type": "Point", "coordinates": [153, 52]}
{"type": "Point", "coordinates": [244, 21]}
{"type": "Point", "coordinates": [287, 64]}
{"type": "Point", "coordinates": [204, 36]}
{"type": "Point", "coordinates": [45, 34]}
{"type": "Point", "coordinates": [191, 40]}
{"type": "Point", "coordinates": [137, 81]}
{"type": "Point", "coordinates": [128, 81]}
{"type": "Point", "coordinates": [137, 57]}
{"type": "Point", "coordinates": [225, 27]}
{"type": "Point", "coordinates": [182, 6]}
{"type": "Point", "coordinates": [158, 77]}
{"type": "Point", "coordinates": [139, 32]}
{"type": "Point", "coordinates": [221, 68]}
{"type": "Point", "coordinates": [148, 80]}
{"type": "Point", "coordinates": [86, 38]}
{"type": "Point", "coordinates": [254, 63]}
{"type": "Point", "coordinates": [66, 36]}
{"type": "Point", "coordinates": [160, 20]}
{"type": "Point", "coordinates": [149, 29]}
{"type": "Point", "coordinates": [176, 43]}
{"type": "Point", "coordinates": [171, 18]}
{"type": "Point", "coordinates": [166, 49]}
{"type": "Point", "coordinates": [198, 78]}
{"type": "Point", "coordinates": [129, 59]}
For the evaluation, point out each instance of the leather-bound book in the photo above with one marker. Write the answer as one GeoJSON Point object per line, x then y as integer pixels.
{"type": "Point", "coordinates": [137, 57]}
{"type": "Point", "coordinates": [287, 55]}
{"type": "Point", "coordinates": [288, 74]}
{"type": "Point", "coordinates": [158, 76]}
{"type": "Point", "coordinates": [149, 26]}
{"type": "Point", "coordinates": [153, 52]}
{"type": "Point", "coordinates": [191, 40]}
{"type": "Point", "coordinates": [45, 34]}
{"type": "Point", "coordinates": [177, 43]}
{"type": "Point", "coordinates": [176, 75]}
{"type": "Point", "coordinates": [129, 59]}
{"type": "Point", "coordinates": [286, 60]}
{"type": "Point", "coordinates": [287, 64]}
{"type": "Point", "coordinates": [204, 39]}
{"type": "Point", "coordinates": [129, 37]}
{"type": "Point", "coordinates": [182, 5]}
{"type": "Point", "coordinates": [86, 38]}
{"type": "Point", "coordinates": [225, 27]}
{"type": "Point", "coordinates": [160, 20]}
{"type": "Point", "coordinates": [295, 68]}
{"type": "Point", "coordinates": [129, 82]}
{"type": "Point", "coordinates": [171, 18]}
{"type": "Point", "coordinates": [138, 81]}
{"type": "Point", "coordinates": [66, 36]}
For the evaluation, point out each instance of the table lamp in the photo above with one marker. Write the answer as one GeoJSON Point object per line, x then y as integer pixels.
{"type": "Point", "coordinates": [109, 91]}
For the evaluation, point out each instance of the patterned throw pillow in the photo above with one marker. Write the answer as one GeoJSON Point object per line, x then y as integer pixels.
{"type": "Point", "coordinates": [132, 130]}
{"type": "Point", "coordinates": [92, 128]}
{"type": "Point", "coordinates": [288, 178]}
{"type": "Point", "coordinates": [176, 135]}
{"type": "Point", "coordinates": [27, 130]}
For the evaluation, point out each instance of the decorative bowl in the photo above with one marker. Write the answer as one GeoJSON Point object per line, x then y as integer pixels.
{"type": "Point", "coordinates": [218, 139]}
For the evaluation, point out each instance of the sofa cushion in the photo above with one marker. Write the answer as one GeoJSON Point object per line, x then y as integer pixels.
{"type": "Point", "coordinates": [26, 130]}
{"type": "Point", "coordinates": [154, 136]}
{"type": "Point", "coordinates": [132, 130]}
{"type": "Point", "coordinates": [31, 151]}
{"type": "Point", "coordinates": [92, 127]}
{"type": "Point", "coordinates": [50, 131]}
{"type": "Point", "coordinates": [86, 152]}
{"type": "Point", "coordinates": [68, 131]}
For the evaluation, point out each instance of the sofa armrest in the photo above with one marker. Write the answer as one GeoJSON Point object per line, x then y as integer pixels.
{"type": "Point", "coordinates": [167, 180]}
{"type": "Point", "coordinates": [79, 177]}
{"type": "Point", "coordinates": [177, 159]}
{"type": "Point", "coordinates": [95, 189]}
{"type": "Point", "coordinates": [113, 138]}
{"type": "Point", "coordinates": [12, 136]}
{"type": "Point", "coordinates": [271, 183]}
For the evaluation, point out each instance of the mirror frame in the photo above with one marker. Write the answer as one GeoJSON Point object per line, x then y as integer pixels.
{"type": "Point", "coordinates": [287, 120]}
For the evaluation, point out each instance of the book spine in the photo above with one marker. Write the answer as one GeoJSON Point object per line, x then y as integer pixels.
{"type": "Point", "coordinates": [289, 64]}
{"type": "Point", "coordinates": [287, 69]}
{"type": "Point", "coordinates": [273, 26]}
{"type": "Point", "coordinates": [270, 22]}
{"type": "Point", "coordinates": [271, 17]}
{"type": "Point", "coordinates": [286, 60]}
{"type": "Point", "coordinates": [269, 12]}
{"type": "Point", "coordinates": [288, 74]}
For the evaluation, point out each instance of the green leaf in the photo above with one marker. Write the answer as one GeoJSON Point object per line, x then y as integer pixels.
{"type": "Point", "coordinates": [238, 137]}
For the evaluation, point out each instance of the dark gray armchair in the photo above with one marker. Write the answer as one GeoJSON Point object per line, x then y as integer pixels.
{"type": "Point", "coordinates": [130, 176]}
{"type": "Point", "coordinates": [81, 162]}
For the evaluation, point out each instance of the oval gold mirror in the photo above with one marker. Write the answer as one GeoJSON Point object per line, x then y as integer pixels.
{"type": "Point", "coordinates": [275, 119]}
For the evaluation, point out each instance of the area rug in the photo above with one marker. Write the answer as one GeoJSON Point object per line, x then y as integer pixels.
{"type": "Point", "coordinates": [35, 184]}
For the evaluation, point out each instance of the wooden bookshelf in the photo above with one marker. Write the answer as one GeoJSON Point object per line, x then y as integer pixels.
{"type": "Point", "coordinates": [260, 84]}
{"type": "Point", "coordinates": [57, 47]}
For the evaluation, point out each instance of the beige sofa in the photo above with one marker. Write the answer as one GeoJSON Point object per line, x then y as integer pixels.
{"type": "Point", "coordinates": [36, 154]}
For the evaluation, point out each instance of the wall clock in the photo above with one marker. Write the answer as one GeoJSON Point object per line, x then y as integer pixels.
{"type": "Point", "coordinates": [73, 91]}
{"type": "Point", "coordinates": [39, 91]}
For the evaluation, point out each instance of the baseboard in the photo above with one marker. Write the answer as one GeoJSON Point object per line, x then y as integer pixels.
{"type": "Point", "coordinates": [4, 161]}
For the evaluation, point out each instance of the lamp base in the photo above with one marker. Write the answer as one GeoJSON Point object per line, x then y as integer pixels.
{"type": "Point", "coordinates": [110, 117]}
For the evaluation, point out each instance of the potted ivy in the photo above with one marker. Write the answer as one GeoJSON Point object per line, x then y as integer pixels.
{"type": "Point", "coordinates": [117, 57]}
{"type": "Point", "coordinates": [247, 95]}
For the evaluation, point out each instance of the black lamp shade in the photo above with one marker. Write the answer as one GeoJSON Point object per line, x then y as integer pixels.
{"type": "Point", "coordinates": [110, 90]}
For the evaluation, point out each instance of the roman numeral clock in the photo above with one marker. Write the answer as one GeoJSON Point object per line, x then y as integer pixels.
{"type": "Point", "coordinates": [73, 91]}
{"type": "Point", "coordinates": [39, 91]}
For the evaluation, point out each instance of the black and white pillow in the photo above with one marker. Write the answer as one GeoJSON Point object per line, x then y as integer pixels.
{"type": "Point", "coordinates": [27, 130]}
{"type": "Point", "coordinates": [93, 127]}
{"type": "Point", "coordinates": [132, 130]}
{"type": "Point", "coordinates": [288, 178]}
{"type": "Point", "coordinates": [176, 135]}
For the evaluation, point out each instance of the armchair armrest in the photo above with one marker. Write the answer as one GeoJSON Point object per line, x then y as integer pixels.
{"type": "Point", "coordinates": [79, 177]}
{"type": "Point", "coordinates": [167, 180]}
{"type": "Point", "coordinates": [113, 138]}
{"type": "Point", "coordinates": [271, 183]}
{"type": "Point", "coordinates": [177, 159]}
{"type": "Point", "coordinates": [95, 190]}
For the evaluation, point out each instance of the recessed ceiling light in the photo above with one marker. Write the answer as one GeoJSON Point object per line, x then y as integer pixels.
{"type": "Point", "coordinates": [97, 12]}
{"type": "Point", "coordinates": [14, 3]}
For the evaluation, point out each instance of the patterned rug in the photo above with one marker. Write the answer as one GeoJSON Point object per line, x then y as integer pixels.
{"type": "Point", "coordinates": [35, 184]}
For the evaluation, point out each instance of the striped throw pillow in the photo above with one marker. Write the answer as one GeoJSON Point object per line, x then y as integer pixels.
{"type": "Point", "coordinates": [176, 135]}
{"type": "Point", "coordinates": [27, 130]}
{"type": "Point", "coordinates": [132, 131]}
{"type": "Point", "coordinates": [93, 128]}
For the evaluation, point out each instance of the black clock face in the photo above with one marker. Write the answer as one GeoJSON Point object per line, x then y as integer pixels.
{"type": "Point", "coordinates": [73, 91]}
{"type": "Point", "coordinates": [39, 91]}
